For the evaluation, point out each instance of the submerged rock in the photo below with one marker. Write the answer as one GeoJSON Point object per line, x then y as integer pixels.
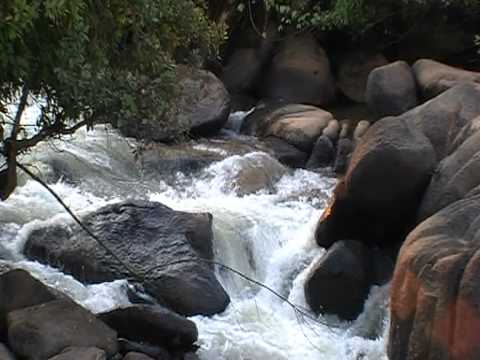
{"type": "Point", "coordinates": [166, 161]}
{"type": "Point", "coordinates": [163, 246]}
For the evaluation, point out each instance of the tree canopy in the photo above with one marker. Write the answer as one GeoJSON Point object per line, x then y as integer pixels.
{"type": "Point", "coordinates": [92, 60]}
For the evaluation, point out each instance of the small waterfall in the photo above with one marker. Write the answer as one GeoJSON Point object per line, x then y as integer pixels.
{"type": "Point", "coordinates": [264, 216]}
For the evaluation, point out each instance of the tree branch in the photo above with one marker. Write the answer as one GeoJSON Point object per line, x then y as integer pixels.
{"type": "Point", "coordinates": [57, 128]}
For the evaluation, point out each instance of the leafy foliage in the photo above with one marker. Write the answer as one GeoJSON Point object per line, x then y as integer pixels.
{"type": "Point", "coordinates": [98, 59]}
{"type": "Point", "coordinates": [389, 18]}
{"type": "Point", "coordinates": [94, 60]}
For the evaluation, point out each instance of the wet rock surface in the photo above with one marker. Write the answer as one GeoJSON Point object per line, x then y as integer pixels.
{"type": "Point", "coordinates": [41, 331]}
{"type": "Point", "coordinates": [153, 324]}
{"type": "Point", "coordinates": [165, 247]}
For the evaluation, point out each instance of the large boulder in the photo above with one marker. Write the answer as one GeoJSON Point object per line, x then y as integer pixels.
{"type": "Point", "coordinates": [204, 103]}
{"type": "Point", "coordinates": [382, 188]}
{"type": "Point", "coordinates": [164, 247]}
{"type": "Point", "coordinates": [391, 89]}
{"type": "Point", "coordinates": [152, 324]}
{"type": "Point", "coordinates": [443, 118]}
{"type": "Point", "coordinates": [42, 331]}
{"type": "Point", "coordinates": [455, 177]}
{"type": "Point", "coordinates": [18, 290]}
{"type": "Point", "coordinates": [339, 282]}
{"type": "Point", "coordinates": [299, 73]}
{"type": "Point", "coordinates": [435, 293]}
{"type": "Point", "coordinates": [243, 68]}
{"type": "Point", "coordinates": [434, 77]}
{"type": "Point", "coordinates": [299, 125]}
{"type": "Point", "coordinates": [354, 69]}
{"type": "Point", "coordinates": [201, 107]}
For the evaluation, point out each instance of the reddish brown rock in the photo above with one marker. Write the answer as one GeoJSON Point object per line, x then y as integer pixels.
{"type": "Point", "coordinates": [435, 293]}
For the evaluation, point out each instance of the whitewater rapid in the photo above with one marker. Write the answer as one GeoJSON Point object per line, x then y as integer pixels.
{"type": "Point", "coordinates": [267, 235]}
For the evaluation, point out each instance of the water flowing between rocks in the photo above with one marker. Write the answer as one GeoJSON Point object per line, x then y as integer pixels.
{"type": "Point", "coordinates": [264, 231]}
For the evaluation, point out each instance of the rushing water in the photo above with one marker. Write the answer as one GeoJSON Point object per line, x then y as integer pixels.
{"type": "Point", "coordinates": [266, 234]}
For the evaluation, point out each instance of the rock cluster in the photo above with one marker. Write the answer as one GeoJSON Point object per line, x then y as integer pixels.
{"type": "Point", "coordinates": [40, 323]}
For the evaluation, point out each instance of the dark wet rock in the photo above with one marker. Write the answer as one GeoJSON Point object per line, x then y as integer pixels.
{"type": "Point", "coordinates": [299, 73]}
{"type": "Point", "coordinates": [343, 155]}
{"type": "Point", "coordinates": [287, 154]}
{"type": "Point", "coordinates": [391, 89]}
{"type": "Point", "coordinates": [382, 188]}
{"type": "Point", "coordinates": [323, 153]}
{"type": "Point", "coordinates": [353, 73]}
{"type": "Point", "coordinates": [80, 353]}
{"type": "Point", "coordinates": [299, 125]}
{"type": "Point", "coordinates": [154, 351]}
{"type": "Point", "coordinates": [433, 77]}
{"type": "Point", "coordinates": [191, 356]}
{"type": "Point", "coordinates": [382, 266]}
{"type": "Point", "coordinates": [140, 356]}
{"type": "Point", "coordinates": [164, 247]}
{"type": "Point", "coordinates": [202, 108]}
{"type": "Point", "coordinates": [435, 293]}
{"type": "Point", "coordinates": [5, 353]}
{"type": "Point", "coordinates": [153, 324]}
{"type": "Point", "coordinates": [339, 282]}
{"type": "Point", "coordinates": [42, 331]}
{"type": "Point", "coordinates": [18, 290]}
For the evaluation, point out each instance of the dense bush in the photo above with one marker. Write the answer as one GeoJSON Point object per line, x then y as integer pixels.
{"type": "Point", "coordinates": [390, 19]}
{"type": "Point", "coordinates": [91, 60]}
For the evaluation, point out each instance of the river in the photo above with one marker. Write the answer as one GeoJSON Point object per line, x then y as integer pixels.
{"type": "Point", "coordinates": [267, 235]}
